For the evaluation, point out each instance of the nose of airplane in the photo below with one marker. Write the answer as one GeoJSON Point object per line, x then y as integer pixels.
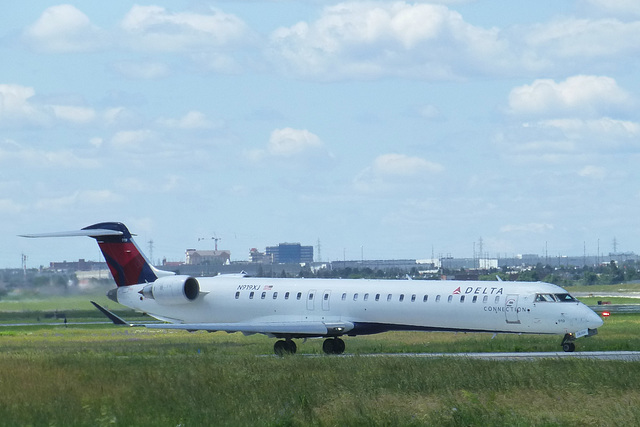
{"type": "Point", "coordinates": [593, 320]}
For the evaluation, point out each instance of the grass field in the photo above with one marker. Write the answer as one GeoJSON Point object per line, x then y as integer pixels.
{"type": "Point", "coordinates": [107, 375]}
{"type": "Point", "coordinates": [95, 375]}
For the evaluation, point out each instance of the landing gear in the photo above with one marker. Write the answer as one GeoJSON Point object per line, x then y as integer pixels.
{"type": "Point", "coordinates": [568, 344]}
{"type": "Point", "coordinates": [333, 346]}
{"type": "Point", "coordinates": [284, 347]}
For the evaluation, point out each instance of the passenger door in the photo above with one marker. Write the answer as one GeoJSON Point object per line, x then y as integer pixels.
{"type": "Point", "coordinates": [511, 309]}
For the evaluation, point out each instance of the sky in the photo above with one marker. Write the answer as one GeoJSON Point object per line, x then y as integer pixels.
{"type": "Point", "coordinates": [376, 130]}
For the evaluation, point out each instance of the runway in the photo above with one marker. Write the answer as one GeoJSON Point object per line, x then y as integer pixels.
{"type": "Point", "coordinates": [627, 356]}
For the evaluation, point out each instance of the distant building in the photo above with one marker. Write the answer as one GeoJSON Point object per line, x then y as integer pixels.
{"type": "Point", "coordinates": [260, 257]}
{"type": "Point", "coordinates": [290, 253]}
{"type": "Point", "coordinates": [196, 257]}
{"type": "Point", "coordinates": [80, 265]}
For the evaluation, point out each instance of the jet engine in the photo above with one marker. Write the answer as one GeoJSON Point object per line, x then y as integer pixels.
{"type": "Point", "coordinates": [171, 290]}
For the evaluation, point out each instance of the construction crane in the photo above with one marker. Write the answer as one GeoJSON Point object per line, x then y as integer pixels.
{"type": "Point", "coordinates": [215, 239]}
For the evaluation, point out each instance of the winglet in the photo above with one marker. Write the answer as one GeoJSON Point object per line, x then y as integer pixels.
{"type": "Point", "coordinates": [117, 320]}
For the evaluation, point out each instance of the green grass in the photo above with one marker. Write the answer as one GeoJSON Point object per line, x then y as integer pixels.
{"type": "Point", "coordinates": [611, 300]}
{"type": "Point", "coordinates": [622, 287]}
{"type": "Point", "coordinates": [52, 303]}
{"type": "Point", "coordinates": [201, 389]}
{"type": "Point", "coordinates": [107, 375]}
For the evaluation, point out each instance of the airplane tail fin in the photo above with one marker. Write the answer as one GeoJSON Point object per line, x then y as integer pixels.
{"type": "Point", "coordinates": [127, 263]}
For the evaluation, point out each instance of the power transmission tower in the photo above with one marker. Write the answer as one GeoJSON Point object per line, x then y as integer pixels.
{"type": "Point", "coordinates": [150, 250]}
{"type": "Point", "coordinates": [319, 252]}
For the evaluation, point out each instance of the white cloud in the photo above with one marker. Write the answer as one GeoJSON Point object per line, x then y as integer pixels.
{"type": "Point", "coordinates": [580, 39]}
{"type": "Point", "coordinates": [616, 7]}
{"type": "Point", "coordinates": [18, 107]}
{"type": "Point", "coordinates": [155, 28]}
{"type": "Point", "coordinates": [74, 114]}
{"type": "Point", "coordinates": [402, 165]}
{"type": "Point", "coordinates": [191, 120]}
{"type": "Point", "coordinates": [429, 112]}
{"type": "Point", "coordinates": [78, 198]}
{"type": "Point", "coordinates": [395, 171]}
{"type": "Point", "coordinates": [15, 105]}
{"type": "Point", "coordinates": [288, 142]}
{"type": "Point", "coordinates": [131, 139]}
{"type": "Point", "coordinates": [366, 39]}
{"type": "Point", "coordinates": [145, 70]}
{"type": "Point", "coordinates": [118, 116]}
{"type": "Point", "coordinates": [532, 227]}
{"type": "Point", "coordinates": [591, 171]}
{"type": "Point", "coordinates": [15, 154]}
{"type": "Point", "coordinates": [605, 127]}
{"type": "Point", "coordinates": [9, 207]}
{"type": "Point", "coordinates": [576, 95]}
{"type": "Point", "coordinates": [96, 141]}
{"type": "Point", "coordinates": [62, 29]}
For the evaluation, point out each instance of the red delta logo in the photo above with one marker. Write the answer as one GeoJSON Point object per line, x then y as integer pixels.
{"type": "Point", "coordinates": [457, 291]}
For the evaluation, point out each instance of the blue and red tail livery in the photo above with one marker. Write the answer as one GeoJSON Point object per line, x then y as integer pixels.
{"type": "Point", "coordinates": [125, 260]}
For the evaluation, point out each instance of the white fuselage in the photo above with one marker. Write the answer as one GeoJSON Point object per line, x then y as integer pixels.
{"type": "Point", "coordinates": [376, 305]}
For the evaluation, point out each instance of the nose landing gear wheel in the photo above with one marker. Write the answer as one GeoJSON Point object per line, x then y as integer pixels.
{"type": "Point", "coordinates": [568, 344]}
{"type": "Point", "coordinates": [333, 346]}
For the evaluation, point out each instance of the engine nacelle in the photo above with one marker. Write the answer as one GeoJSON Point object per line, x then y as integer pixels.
{"type": "Point", "coordinates": [171, 290]}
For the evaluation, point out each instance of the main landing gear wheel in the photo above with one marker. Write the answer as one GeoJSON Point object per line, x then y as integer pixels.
{"type": "Point", "coordinates": [283, 347]}
{"type": "Point", "coordinates": [333, 346]}
{"type": "Point", "coordinates": [568, 344]}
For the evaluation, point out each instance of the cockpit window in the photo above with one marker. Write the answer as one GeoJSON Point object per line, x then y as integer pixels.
{"type": "Point", "coordinates": [565, 298]}
{"type": "Point", "coordinates": [545, 298]}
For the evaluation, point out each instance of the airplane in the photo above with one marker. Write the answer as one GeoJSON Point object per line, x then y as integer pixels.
{"type": "Point", "coordinates": [290, 309]}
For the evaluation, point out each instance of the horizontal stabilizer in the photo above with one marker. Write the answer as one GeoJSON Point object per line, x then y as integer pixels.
{"type": "Point", "coordinates": [117, 320]}
{"type": "Point", "coordinates": [83, 233]}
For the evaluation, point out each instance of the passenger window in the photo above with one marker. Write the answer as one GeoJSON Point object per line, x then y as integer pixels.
{"type": "Point", "coordinates": [437, 298]}
{"type": "Point", "coordinates": [299, 295]}
{"type": "Point", "coordinates": [389, 297]}
{"type": "Point", "coordinates": [355, 297]}
{"type": "Point", "coordinates": [264, 294]}
{"type": "Point", "coordinates": [485, 299]}
{"type": "Point", "coordinates": [366, 297]}
{"type": "Point", "coordinates": [377, 297]}
{"type": "Point", "coordinates": [251, 295]}
{"type": "Point", "coordinates": [497, 299]}
{"type": "Point", "coordinates": [275, 295]}
{"type": "Point", "coordinates": [286, 295]}
{"type": "Point", "coordinates": [237, 294]}
{"type": "Point", "coordinates": [425, 298]}
{"type": "Point", "coordinates": [461, 298]}
{"type": "Point", "coordinates": [413, 298]}
{"type": "Point", "coordinates": [401, 297]}
{"type": "Point", "coordinates": [450, 298]}
{"type": "Point", "coordinates": [344, 296]}
{"type": "Point", "coordinates": [475, 299]}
